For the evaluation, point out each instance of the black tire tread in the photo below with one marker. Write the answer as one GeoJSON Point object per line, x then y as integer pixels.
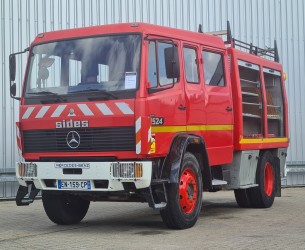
{"type": "Point", "coordinates": [56, 206]}
{"type": "Point", "coordinates": [257, 195]}
{"type": "Point", "coordinates": [172, 215]}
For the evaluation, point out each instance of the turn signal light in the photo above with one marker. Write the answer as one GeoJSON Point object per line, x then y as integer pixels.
{"type": "Point", "coordinates": [138, 170]}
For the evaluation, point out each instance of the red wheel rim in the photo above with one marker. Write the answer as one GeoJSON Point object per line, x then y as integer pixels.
{"type": "Point", "coordinates": [269, 179]}
{"type": "Point", "coordinates": [188, 191]}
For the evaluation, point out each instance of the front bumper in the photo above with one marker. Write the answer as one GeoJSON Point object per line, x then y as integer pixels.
{"type": "Point", "coordinates": [45, 175]}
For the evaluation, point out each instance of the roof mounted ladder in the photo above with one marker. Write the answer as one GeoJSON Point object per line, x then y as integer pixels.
{"type": "Point", "coordinates": [220, 32]}
{"type": "Point", "coordinates": [249, 47]}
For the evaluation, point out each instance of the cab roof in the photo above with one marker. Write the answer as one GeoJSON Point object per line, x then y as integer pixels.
{"type": "Point", "coordinates": [143, 28]}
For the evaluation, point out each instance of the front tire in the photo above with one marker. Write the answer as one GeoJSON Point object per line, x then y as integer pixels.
{"type": "Point", "coordinates": [184, 198]}
{"type": "Point", "coordinates": [263, 195]}
{"type": "Point", "coordinates": [63, 208]}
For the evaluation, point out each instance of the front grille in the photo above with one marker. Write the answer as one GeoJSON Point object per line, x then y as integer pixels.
{"type": "Point", "coordinates": [90, 139]}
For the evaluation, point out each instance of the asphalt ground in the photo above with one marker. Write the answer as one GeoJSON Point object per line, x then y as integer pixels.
{"type": "Point", "coordinates": [222, 225]}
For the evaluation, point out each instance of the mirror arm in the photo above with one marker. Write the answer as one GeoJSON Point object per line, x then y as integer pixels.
{"type": "Point", "coordinates": [21, 52]}
{"type": "Point", "coordinates": [16, 98]}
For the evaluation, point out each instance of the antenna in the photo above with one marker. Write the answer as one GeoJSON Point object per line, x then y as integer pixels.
{"type": "Point", "coordinates": [229, 33]}
{"type": "Point", "coordinates": [276, 52]}
{"type": "Point", "coordinates": [200, 28]}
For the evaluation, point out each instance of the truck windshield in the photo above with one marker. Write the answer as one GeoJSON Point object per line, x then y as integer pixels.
{"type": "Point", "coordinates": [105, 67]}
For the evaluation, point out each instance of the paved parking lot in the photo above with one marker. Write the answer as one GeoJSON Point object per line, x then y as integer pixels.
{"type": "Point", "coordinates": [222, 225]}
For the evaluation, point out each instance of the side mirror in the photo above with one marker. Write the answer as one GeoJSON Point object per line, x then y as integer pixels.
{"type": "Point", "coordinates": [12, 66]}
{"type": "Point", "coordinates": [172, 62]}
{"type": "Point", "coordinates": [13, 89]}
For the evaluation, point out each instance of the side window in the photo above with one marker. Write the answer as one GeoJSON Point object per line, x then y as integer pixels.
{"type": "Point", "coordinates": [157, 68]}
{"type": "Point", "coordinates": [152, 65]}
{"type": "Point", "coordinates": [163, 79]}
{"type": "Point", "coordinates": [213, 68]}
{"type": "Point", "coordinates": [190, 65]}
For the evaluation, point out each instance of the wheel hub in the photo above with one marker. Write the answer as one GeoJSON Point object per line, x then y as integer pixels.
{"type": "Point", "coordinates": [188, 190]}
{"type": "Point", "coordinates": [269, 179]}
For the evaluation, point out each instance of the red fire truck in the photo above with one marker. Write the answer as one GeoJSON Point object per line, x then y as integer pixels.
{"type": "Point", "coordinates": [140, 112]}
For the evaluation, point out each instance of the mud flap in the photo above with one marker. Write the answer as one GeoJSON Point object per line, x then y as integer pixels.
{"type": "Point", "coordinates": [278, 183]}
{"type": "Point", "coordinates": [23, 191]}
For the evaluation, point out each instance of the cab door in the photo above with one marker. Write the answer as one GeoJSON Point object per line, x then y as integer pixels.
{"type": "Point", "coordinates": [218, 106]}
{"type": "Point", "coordinates": [165, 97]}
{"type": "Point", "coordinates": [194, 92]}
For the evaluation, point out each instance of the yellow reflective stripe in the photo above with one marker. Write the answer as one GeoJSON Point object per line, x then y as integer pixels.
{"type": "Point", "coordinates": [168, 129]}
{"type": "Point", "coordinates": [209, 127]}
{"type": "Point", "coordinates": [263, 140]}
{"type": "Point", "coordinates": [165, 129]}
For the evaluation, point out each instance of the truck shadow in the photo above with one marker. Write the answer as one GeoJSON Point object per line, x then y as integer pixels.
{"type": "Point", "coordinates": [149, 220]}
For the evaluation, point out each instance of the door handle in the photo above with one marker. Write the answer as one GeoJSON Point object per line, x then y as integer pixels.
{"type": "Point", "coordinates": [229, 109]}
{"type": "Point", "coordinates": [182, 107]}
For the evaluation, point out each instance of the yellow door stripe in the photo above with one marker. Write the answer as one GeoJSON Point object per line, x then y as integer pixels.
{"type": "Point", "coordinates": [209, 127]}
{"type": "Point", "coordinates": [263, 140]}
{"type": "Point", "coordinates": [168, 129]}
{"type": "Point", "coordinates": [191, 128]}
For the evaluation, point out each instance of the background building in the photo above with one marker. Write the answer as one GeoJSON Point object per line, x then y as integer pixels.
{"type": "Point", "coordinates": [257, 21]}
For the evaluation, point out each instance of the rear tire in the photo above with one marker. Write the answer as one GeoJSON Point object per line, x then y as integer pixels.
{"type": "Point", "coordinates": [263, 195]}
{"type": "Point", "coordinates": [242, 198]}
{"type": "Point", "coordinates": [184, 198]}
{"type": "Point", "coordinates": [63, 208]}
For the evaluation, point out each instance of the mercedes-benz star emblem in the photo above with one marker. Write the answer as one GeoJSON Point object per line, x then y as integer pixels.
{"type": "Point", "coordinates": [73, 139]}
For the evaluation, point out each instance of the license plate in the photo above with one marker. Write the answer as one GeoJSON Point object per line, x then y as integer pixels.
{"type": "Point", "coordinates": [79, 185]}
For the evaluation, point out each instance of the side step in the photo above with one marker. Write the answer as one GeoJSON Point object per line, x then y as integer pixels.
{"type": "Point", "coordinates": [216, 182]}
{"type": "Point", "coordinates": [157, 189]}
{"type": "Point", "coordinates": [23, 191]}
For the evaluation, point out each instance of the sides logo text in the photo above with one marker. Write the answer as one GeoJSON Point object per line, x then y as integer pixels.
{"type": "Point", "coordinates": [72, 124]}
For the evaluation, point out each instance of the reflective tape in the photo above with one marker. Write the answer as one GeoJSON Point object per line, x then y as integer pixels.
{"type": "Point", "coordinates": [42, 112]}
{"type": "Point", "coordinates": [19, 145]}
{"type": "Point", "coordinates": [27, 113]}
{"type": "Point", "coordinates": [58, 110]}
{"type": "Point", "coordinates": [125, 109]}
{"type": "Point", "coordinates": [85, 109]}
{"type": "Point", "coordinates": [149, 140]}
{"type": "Point", "coordinates": [104, 108]}
{"type": "Point", "coordinates": [138, 135]}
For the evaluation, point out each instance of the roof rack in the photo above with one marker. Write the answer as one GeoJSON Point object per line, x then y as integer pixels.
{"type": "Point", "coordinates": [255, 50]}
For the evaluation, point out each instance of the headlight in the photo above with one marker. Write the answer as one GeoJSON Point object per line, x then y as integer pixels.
{"type": "Point", "coordinates": [27, 169]}
{"type": "Point", "coordinates": [127, 170]}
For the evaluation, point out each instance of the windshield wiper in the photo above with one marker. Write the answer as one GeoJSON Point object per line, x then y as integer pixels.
{"type": "Point", "coordinates": [47, 93]}
{"type": "Point", "coordinates": [96, 91]}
